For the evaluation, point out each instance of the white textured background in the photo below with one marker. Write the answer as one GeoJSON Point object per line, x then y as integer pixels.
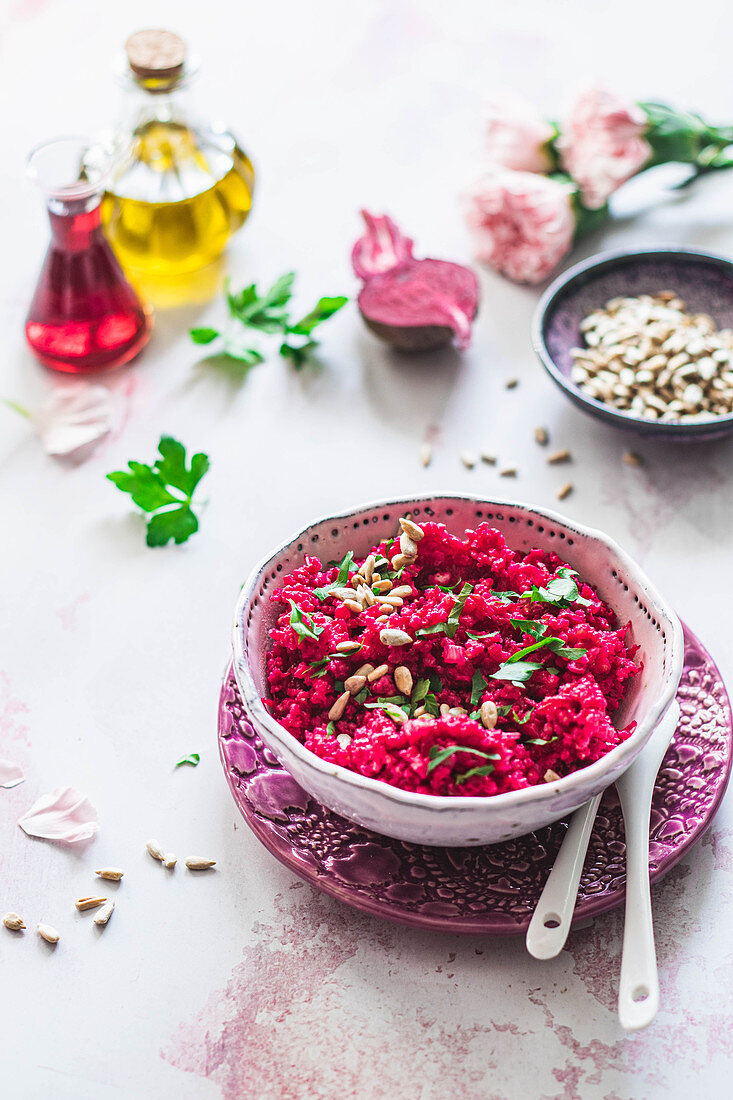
{"type": "Point", "coordinates": [111, 654]}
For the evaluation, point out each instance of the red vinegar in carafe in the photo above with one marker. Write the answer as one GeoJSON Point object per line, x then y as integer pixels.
{"type": "Point", "coordinates": [84, 316]}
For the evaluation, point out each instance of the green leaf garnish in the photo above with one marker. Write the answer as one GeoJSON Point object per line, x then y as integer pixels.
{"type": "Point", "coordinates": [561, 591]}
{"type": "Point", "coordinates": [363, 695]}
{"type": "Point", "coordinates": [522, 721]}
{"type": "Point", "coordinates": [451, 625]}
{"type": "Point", "coordinates": [506, 596]}
{"type": "Point", "coordinates": [478, 686]}
{"type": "Point", "coordinates": [342, 579]}
{"type": "Point", "coordinates": [438, 756]}
{"type": "Point", "coordinates": [396, 713]}
{"type": "Point", "coordinates": [556, 645]}
{"type": "Point", "coordinates": [331, 729]}
{"type": "Point", "coordinates": [192, 759]}
{"type": "Point", "coordinates": [517, 672]}
{"type": "Point", "coordinates": [482, 769]}
{"type": "Point", "coordinates": [303, 624]}
{"type": "Point", "coordinates": [420, 692]}
{"type": "Point", "coordinates": [481, 637]}
{"type": "Point", "coordinates": [170, 513]}
{"type": "Point", "coordinates": [539, 741]}
{"type": "Point", "coordinates": [530, 626]}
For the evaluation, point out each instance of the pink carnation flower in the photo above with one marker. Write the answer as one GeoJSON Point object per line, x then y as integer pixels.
{"type": "Point", "coordinates": [522, 223]}
{"type": "Point", "coordinates": [518, 137]}
{"type": "Point", "coordinates": [602, 144]}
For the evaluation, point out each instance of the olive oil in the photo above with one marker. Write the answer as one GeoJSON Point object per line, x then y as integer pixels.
{"type": "Point", "coordinates": [181, 188]}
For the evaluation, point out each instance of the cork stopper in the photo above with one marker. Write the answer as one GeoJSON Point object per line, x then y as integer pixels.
{"type": "Point", "coordinates": [156, 54]}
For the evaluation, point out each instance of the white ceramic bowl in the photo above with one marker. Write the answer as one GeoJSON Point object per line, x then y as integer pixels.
{"type": "Point", "coordinates": [430, 819]}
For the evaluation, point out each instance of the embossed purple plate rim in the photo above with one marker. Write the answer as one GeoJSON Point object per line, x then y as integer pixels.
{"type": "Point", "coordinates": [491, 923]}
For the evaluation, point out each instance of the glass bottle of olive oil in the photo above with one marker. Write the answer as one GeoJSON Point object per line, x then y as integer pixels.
{"type": "Point", "coordinates": [182, 188]}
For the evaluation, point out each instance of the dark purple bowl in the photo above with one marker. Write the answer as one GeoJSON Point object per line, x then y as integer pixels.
{"type": "Point", "coordinates": [703, 280]}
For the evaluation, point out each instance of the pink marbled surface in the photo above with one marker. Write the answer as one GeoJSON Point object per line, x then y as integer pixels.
{"type": "Point", "coordinates": [245, 983]}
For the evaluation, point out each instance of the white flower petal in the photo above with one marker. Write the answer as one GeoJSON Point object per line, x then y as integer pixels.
{"type": "Point", "coordinates": [10, 774]}
{"type": "Point", "coordinates": [73, 417]}
{"type": "Point", "coordinates": [64, 814]}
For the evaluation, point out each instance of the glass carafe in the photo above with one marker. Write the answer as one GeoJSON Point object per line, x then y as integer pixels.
{"type": "Point", "coordinates": [183, 186]}
{"type": "Point", "coordinates": [84, 316]}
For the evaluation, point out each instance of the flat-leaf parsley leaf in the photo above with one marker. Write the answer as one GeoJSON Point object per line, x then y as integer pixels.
{"type": "Point", "coordinates": [164, 491]}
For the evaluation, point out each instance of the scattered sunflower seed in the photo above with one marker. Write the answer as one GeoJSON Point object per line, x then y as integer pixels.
{"type": "Point", "coordinates": [559, 456]}
{"type": "Point", "coordinates": [47, 933]}
{"type": "Point", "coordinates": [378, 673]}
{"type": "Point", "coordinates": [88, 903]}
{"type": "Point", "coordinates": [13, 922]}
{"type": "Point", "coordinates": [631, 458]}
{"type": "Point", "coordinates": [489, 459]}
{"type": "Point", "coordinates": [512, 383]}
{"type": "Point", "coordinates": [155, 850]}
{"type": "Point", "coordinates": [170, 861]}
{"type": "Point", "coordinates": [508, 471]}
{"type": "Point", "coordinates": [114, 874]}
{"type": "Point", "coordinates": [469, 459]}
{"type": "Point", "coordinates": [392, 637]}
{"type": "Point", "coordinates": [403, 680]}
{"type": "Point", "coordinates": [489, 714]}
{"type": "Point", "coordinates": [339, 706]}
{"type": "Point", "coordinates": [426, 454]}
{"type": "Point", "coordinates": [565, 491]}
{"type": "Point", "coordinates": [348, 647]}
{"type": "Point", "coordinates": [197, 863]}
{"type": "Point", "coordinates": [550, 776]}
{"type": "Point", "coordinates": [541, 436]}
{"type": "Point", "coordinates": [104, 914]}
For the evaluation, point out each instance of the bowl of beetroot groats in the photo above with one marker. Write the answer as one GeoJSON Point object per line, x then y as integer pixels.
{"type": "Point", "coordinates": [453, 671]}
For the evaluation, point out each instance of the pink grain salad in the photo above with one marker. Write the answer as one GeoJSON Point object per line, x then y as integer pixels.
{"type": "Point", "coordinates": [448, 665]}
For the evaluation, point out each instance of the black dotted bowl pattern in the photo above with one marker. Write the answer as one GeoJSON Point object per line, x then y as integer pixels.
{"type": "Point", "coordinates": [491, 889]}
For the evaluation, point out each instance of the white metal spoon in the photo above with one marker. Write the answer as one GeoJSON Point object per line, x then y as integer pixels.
{"type": "Point", "coordinates": [638, 995]}
{"type": "Point", "coordinates": [553, 913]}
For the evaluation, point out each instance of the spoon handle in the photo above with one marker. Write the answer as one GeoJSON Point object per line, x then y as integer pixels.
{"type": "Point", "coordinates": [557, 902]}
{"type": "Point", "coordinates": [638, 998]}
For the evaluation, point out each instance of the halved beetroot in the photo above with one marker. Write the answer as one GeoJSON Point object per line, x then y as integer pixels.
{"type": "Point", "coordinates": [412, 304]}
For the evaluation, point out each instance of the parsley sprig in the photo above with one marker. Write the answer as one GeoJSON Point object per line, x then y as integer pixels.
{"type": "Point", "coordinates": [439, 756]}
{"type": "Point", "coordinates": [164, 491]}
{"type": "Point", "coordinates": [303, 624]}
{"type": "Point", "coordinates": [342, 580]}
{"type": "Point", "coordinates": [451, 625]}
{"type": "Point", "coordinates": [267, 314]}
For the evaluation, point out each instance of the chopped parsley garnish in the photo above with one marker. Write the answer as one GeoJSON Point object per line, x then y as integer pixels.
{"type": "Point", "coordinates": [451, 625]}
{"type": "Point", "coordinates": [482, 769]}
{"type": "Point", "coordinates": [342, 579]}
{"type": "Point", "coordinates": [530, 626]}
{"type": "Point", "coordinates": [439, 756]}
{"type": "Point", "coordinates": [478, 686]}
{"type": "Point", "coordinates": [303, 624]}
{"type": "Point", "coordinates": [192, 759]}
{"type": "Point", "coordinates": [419, 692]}
{"type": "Point", "coordinates": [331, 729]}
{"type": "Point", "coordinates": [507, 596]}
{"type": "Point", "coordinates": [561, 591]}
{"type": "Point", "coordinates": [164, 491]}
{"type": "Point", "coordinates": [539, 741]}
{"type": "Point", "coordinates": [390, 708]}
{"type": "Point", "coordinates": [516, 672]}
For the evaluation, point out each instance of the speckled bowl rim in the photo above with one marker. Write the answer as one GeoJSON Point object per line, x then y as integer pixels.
{"type": "Point", "coordinates": [583, 777]}
{"type": "Point", "coordinates": [705, 429]}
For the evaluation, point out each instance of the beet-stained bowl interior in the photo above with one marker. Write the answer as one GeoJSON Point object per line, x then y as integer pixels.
{"type": "Point", "coordinates": [704, 282]}
{"type": "Point", "coordinates": [458, 821]}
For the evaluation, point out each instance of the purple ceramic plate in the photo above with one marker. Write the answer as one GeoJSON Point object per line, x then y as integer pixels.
{"type": "Point", "coordinates": [704, 281]}
{"type": "Point", "coordinates": [484, 889]}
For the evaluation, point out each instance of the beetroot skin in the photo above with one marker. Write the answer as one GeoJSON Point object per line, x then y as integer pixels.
{"type": "Point", "coordinates": [412, 304]}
